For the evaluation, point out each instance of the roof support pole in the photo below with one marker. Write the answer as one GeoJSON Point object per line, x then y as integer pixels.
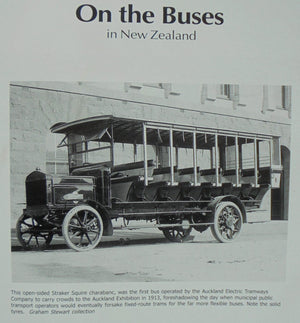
{"type": "Point", "coordinates": [255, 163]}
{"type": "Point", "coordinates": [145, 154]}
{"type": "Point", "coordinates": [171, 156]}
{"type": "Point", "coordinates": [217, 160]}
{"type": "Point", "coordinates": [195, 157]}
{"type": "Point", "coordinates": [237, 161]}
{"type": "Point", "coordinates": [112, 157]}
{"type": "Point", "coordinates": [134, 152]}
{"type": "Point", "coordinates": [271, 152]}
{"type": "Point", "coordinates": [157, 152]}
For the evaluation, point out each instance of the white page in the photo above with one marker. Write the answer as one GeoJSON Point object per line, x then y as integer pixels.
{"type": "Point", "coordinates": [256, 45]}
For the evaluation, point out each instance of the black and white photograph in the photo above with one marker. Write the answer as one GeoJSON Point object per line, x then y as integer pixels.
{"type": "Point", "coordinates": [152, 181]}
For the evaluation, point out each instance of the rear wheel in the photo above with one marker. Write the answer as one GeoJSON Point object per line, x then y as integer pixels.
{"type": "Point", "coordinates": [228, 222]}
{"type": "Point", "coordinates": [31, 234]}
{"type": "Point", "coordinates": [177, 233]}
{"type": "Point", "coordinates": [82, 228]}
{"type": "Point", "coordinates": [198, 219]}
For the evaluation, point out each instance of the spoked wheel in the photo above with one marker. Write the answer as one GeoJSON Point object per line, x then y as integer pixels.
{"type": "Point", "coordinates": [31, 234]}
{"type": "Point", "coordinates": [197, 219]}
{"type": "Point", "coordinates": [82, 228]}
{"type": "Point", "coordinates": [228, 222]}
{"type": "Point", "coordinates": [178, 233]}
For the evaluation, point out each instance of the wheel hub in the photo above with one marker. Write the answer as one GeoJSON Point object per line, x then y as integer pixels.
{"type": "Point", "coordinates": [230, 221]}
{"type": "Point", "coordinates": [185, 224]}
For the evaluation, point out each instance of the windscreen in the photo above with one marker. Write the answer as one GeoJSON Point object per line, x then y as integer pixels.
{"type": "Point", "coordinates": [83, 152]}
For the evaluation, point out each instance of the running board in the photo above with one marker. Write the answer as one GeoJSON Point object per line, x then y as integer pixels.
{"type": "Point", "coordinates": [159, 226]}
{"type": "Point", "coordinates": [171, 212]}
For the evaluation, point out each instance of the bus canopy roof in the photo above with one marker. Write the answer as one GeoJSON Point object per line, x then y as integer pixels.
{"type": "Point", "coordinates": [125, 130]}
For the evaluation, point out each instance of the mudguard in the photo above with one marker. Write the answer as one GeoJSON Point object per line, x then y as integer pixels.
{"type": "Point", "coordinates": [104, 213]}
{"type": "Point", "coordinates": [214, 203]}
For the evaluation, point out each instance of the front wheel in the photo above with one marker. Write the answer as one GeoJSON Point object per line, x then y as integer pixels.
{"type": "Point", "coordinates": [228, 222]}
{"type": "Point", "coordinates": [82, 228]}
{"type": "Point", "coordinates": [31, 234]}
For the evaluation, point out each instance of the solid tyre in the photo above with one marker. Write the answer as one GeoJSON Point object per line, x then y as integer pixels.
{"type": "Point", "coordinates": [31, 235]}
{"type": "Point", "coordinates": [228, 222]}
{"type": "Point", "coordinates": [178, 233]}
{"type": "Point", "coordinates": [82, 228]}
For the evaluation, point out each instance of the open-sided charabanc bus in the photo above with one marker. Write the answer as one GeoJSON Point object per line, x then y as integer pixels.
{"type": "Point", "coordinates": [178, 178]}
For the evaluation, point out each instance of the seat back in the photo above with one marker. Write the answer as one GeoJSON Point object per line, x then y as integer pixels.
{"type": "Point", "coordinates": [164, 174]}
{"type": "Point", "coordinates": [202, 192]}
{"type": "Point", "coordinates": [227, 188]}
{"type": "Point", "coordinates": [245, 191]}
{"type": "Point", "coordinates": [120, 187]}
{"type": "Point", "coordinates": [133, 169]}
{"type": "Point", "coordinates": [258, 193]}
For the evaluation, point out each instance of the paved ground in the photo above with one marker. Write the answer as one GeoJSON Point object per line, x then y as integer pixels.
{"type": "Point", "coordinates": [145, 255]}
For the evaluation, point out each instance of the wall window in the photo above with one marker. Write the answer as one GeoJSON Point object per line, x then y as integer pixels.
{"type": "Point", "coordinates": [225, 90]}
{"type": "Point", "coordinates": [286, 97]}
{"type": "Point", "coordinates": [277, 97]}
{"type": "Point", "coordinates": [228, 91]}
